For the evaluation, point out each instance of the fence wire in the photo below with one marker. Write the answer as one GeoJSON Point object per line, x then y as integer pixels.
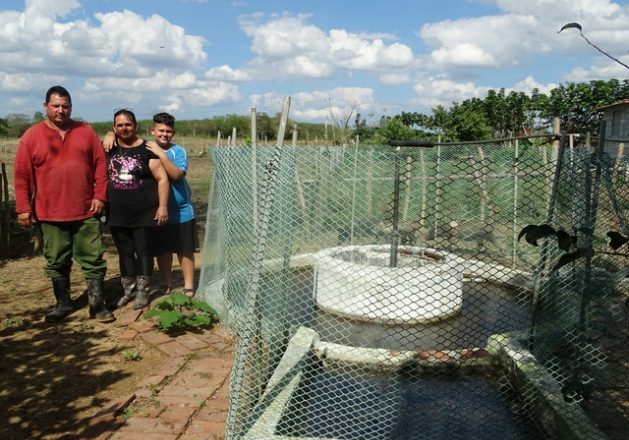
{"type": "Point", "coordinates": [382, 293]}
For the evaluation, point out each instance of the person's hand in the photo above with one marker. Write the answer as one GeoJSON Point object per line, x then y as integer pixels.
{"type": "Point", "coordinates": [25, 219]}
{"type": "Point", "coordinates": [97, 207]}
{"type": "Point", "coordinates": [161, 216]}
{"type": "Point", "coordinates": [154, 148]}
{"type": "Point", "coordinates": [109, 140]}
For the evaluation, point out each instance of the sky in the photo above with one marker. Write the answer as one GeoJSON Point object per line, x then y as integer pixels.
{"type": "Point", "coordinates": [203, 58]}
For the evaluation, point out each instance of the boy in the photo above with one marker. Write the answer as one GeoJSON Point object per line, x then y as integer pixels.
{"type": "Point", "coordinates": [179, 236]}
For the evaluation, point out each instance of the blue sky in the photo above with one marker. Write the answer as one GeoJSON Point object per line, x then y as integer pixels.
{"type": "Point", "coordinates": [202, 58]}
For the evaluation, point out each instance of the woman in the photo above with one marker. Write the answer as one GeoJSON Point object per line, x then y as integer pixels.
{"type": "Point", "coordinates": [138, 202]}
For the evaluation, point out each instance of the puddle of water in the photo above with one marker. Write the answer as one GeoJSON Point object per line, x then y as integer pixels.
{"type": "Point", "coordinates": [437, 406]}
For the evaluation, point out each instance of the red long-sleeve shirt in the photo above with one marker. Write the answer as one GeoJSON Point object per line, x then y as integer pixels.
{"type": "Point", "coordinates": [63, 176]}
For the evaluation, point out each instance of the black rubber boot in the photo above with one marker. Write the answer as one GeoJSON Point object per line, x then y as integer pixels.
{"type": "Point", "coordinates": [143, 292]}
{"type": "Point", "coordinates": [96, 301]}
{"type": "Point", "coordinates": [128, 284]}
{"type": "Point", "coordinates": [61, 289]}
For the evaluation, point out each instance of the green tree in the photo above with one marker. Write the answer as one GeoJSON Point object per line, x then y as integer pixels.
{"type": "Point", "coordinates": [393, 129]}
{"type": "Point", "coordinates": [37, 117]}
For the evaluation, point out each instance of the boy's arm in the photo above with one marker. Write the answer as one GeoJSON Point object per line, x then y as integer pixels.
{"type": "Point", "coordinates": [109, 140]}
{"type": "Point", "coordinates": [172, 170]}
{"type": "Point", "coordinates": [163, 188]}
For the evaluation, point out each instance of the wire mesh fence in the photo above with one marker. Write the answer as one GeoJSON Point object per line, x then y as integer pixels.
{"type": "Point", "coordinates": [383, 293]}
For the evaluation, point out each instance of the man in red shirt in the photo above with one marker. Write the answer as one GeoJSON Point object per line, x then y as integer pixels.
{"type": "Point", "coordinates": [61, 182]}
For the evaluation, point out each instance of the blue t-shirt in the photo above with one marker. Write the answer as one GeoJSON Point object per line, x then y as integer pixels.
{"type": "Point", "coordinates": [180, 208]}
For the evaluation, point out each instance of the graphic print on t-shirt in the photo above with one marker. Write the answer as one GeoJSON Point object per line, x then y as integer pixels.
{"type": "Point", "coordinates": [124, 172]}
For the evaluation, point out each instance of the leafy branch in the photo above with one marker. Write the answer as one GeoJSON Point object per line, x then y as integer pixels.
{"type": "Point", "coordinates": [567, 243]}
{"type": "Point", "coordinates": [179, 312]}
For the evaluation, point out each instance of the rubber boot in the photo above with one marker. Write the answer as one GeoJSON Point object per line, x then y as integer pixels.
{"type": "Point", "coordinates": [128, 284]}
{"type": "Point", "coordinates": [61, 289]}
{"type": "Point", "coordinates": [96, 302]}
{"type": "Point", "coordinates": [143, 292]}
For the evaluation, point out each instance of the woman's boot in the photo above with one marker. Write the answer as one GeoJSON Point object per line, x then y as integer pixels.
{"type": "Point", "coordinates": [61, 289]}
{"type": "Point", "coordinates": [96, 302]}
{"type": "Point", "coordinates": [143, 292]}
{"type": "Point", "coordinates": [128, 284]}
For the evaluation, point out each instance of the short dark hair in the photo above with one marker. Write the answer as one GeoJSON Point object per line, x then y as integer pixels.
{"type": "Point", "coordinates": [164, 118]}
{"type": "Point", "coordinates": [58, 90]}
{"type": "Point", "coordinates": [127, 112]}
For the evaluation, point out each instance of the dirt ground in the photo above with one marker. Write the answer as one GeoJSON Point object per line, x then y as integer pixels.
{"type": "Point", "coordinates": [53, 377]}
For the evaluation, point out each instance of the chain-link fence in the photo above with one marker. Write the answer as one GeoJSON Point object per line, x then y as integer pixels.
{"type": "Point", "coordinates": [382, 293]}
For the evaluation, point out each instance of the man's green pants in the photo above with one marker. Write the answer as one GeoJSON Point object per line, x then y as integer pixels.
{"type": "Point", "coordinates": [79, 240]}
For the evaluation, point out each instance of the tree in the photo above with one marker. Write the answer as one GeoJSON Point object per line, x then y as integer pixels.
{"type": "Point", "coordinates": [393, 129]}
{"type": "Point", "coordinates": [37, 117]}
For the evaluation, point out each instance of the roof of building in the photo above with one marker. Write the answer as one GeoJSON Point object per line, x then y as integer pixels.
{"type": "Point", "coordinates": [624, 102]}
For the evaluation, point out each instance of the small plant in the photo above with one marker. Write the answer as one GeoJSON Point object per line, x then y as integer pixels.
{"type": "Point", "coordinates": [128, 412]}
{"type": "Point", "coordinates": [179, 312]}
{"type": "Point", "coordinates": [131, 355]}
{"type": "Point", "coordinates": [9, 322]}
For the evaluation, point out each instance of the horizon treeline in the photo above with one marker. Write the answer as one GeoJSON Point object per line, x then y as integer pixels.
{"type": "Point", "coordinates": [499, 114]}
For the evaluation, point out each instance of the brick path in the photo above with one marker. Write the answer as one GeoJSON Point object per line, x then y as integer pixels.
{"type": "Point", "coordinates": [186, 400]}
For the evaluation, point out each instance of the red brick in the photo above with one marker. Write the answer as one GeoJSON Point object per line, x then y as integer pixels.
{"type": "Point", "coordinates": [128, 435]}
{"type": "Point", "coordinates": [177, 413]}
{"type": "Point", "coordinates": [172, 366]}
{"type": "Point", "coordinates": [128, 335]}
{"type": "Point", "coordinates": [202, 427]}
{"type": "Point", "coordinates": [155, 337]}
{"type": "Point", "coordinates": [153, 380]}
{"type": "Point", "coordinates": [192, 401]}
{"type": "Point", "coordinates": [127, 316]}
{"type": "Point", "coordinates": [211, 414]}
{"type": "Point", "coordinates": [173, 349]}
{"type": "Point", "coordinates": [201, 436]}
{"type": "Point", "coordinates": [192, 342]}
{"type": "Point", "coordinates": [142, 326]}
{"type": "Point", "coordinates": [174, 390]}
{"type": "Point", "coordinates": [139, 424]}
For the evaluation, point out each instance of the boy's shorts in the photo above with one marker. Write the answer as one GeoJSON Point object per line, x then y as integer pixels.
{"type": "Point", "coordinates": [178, 238]}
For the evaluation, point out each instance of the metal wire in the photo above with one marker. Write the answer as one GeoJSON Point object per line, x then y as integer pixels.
{"type": "Point", "coordinates": [384, 294]}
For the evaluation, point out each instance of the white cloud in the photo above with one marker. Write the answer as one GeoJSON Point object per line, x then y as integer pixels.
{"type": "Point", "coordinates": [492, 41]}
{"type": "Point", "coordinates": [524, 30]}
{"type": "Point", "coordinates": [394, 78]}
{"type": "Point", "coordinates": [602, 68]}
{"type": "Point", "coordinates": [226, 73]}
{"type": "Point", "coordinates": [288, 46]}
{"type": "Point", "coordinates": [334, 104]}
{"type": "Point", "coordinates": [528, 84]}
{"type": "Point", "coordinates": [432, 91]}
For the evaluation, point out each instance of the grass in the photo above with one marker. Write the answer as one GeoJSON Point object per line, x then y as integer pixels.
{"type": "Point", "coordinates": [199, 169]}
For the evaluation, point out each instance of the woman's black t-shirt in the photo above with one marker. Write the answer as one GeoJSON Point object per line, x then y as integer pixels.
{"type": "Point", "coordinates": [131, 187]}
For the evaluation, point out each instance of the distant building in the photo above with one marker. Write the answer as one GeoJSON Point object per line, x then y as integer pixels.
{"type": "Point", "coordinates": [617, 128]}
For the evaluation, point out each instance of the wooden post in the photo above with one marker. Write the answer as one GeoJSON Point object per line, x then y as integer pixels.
{"type": "Point", "coordinates": [369, 178]}
{"type": "Point", "coordinates": [218, 138]}
{"type": "Point", "coordinates": [409, 180]}
{"type": "Point", "coordinates": [298, 186]}
{"type": "Point", "coordinates": [4, 214]}
{"type": "Point", "coordinates": [233, 136]}
{"type": "Point", "coordinates": [516, 169]}
{"type": "Point", "coordinates": [254, 169]}
{"type": "Point", "coordinates": [424, 202]}
{"type": "Point", "coordinates": [254, 127]}
{"type": "Point", "coordinates": [557, 131]}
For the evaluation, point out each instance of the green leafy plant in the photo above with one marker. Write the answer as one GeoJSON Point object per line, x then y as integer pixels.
{"type": "Point", "coordinates": [568, 243]}
{"type": "Point", "coordinates": [128, 412]}
{"type": "Point", "coordinates": [179, 312]}
{"type": "Point", "coordinates": [131, 355]}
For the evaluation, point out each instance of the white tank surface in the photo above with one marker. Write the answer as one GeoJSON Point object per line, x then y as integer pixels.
{"type": "Point", "coordinates": [357, 282]}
